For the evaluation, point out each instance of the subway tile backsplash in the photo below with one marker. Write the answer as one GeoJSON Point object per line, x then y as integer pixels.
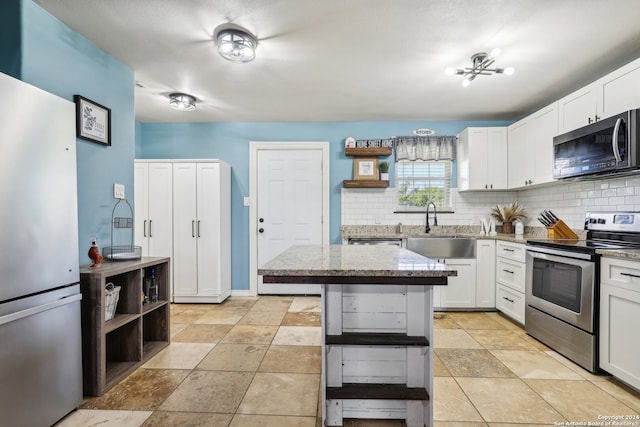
{"type": "Point", "coordinates": [569, 201]}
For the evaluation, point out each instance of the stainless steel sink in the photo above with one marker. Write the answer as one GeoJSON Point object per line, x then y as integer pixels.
{"type": "Point", "coordinates": [443, 246]}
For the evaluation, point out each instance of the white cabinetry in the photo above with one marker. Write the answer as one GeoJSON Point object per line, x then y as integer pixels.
{"type": "Point", "coordinates": [530, 153]}
{"type": "Point", "coordinates": [460, 291]}
{"type": "Point", "coordinates": [619, 314]}
{"type": "Point", "coordinates": [201, 231]}
{"type": "Point", "coordinates": [482, 159]}
{"type": "Point", "coordinates": [485, 273]}
{"type": "Point", "coordinates": [510, 279]}
{"type": "Point", "coordinates": [153, 206]}
{"type": "Point", "coordinates": [614, 93]}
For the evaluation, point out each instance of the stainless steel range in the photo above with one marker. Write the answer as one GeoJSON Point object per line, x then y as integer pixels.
{"type": "Point", "coordinates": [563, 285]}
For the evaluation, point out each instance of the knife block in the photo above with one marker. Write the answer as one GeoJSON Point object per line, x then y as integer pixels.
{"type": "Point", "coordinates": [560, 230]}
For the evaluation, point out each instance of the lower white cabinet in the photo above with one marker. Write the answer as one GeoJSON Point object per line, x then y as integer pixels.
{"type": "Point", "coordinates": [510, 279]}
{"type": "Point", "coordinates": [460, 291]}
{"type": "Point", "coordinates": [201, 231]}
{"type": "Point", "coordinates": [485, 273]}
{"type": "Point", "coordinates": [619, 314]}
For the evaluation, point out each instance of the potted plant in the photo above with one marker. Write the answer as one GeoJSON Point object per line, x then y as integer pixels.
{"type": "Point", "coordinates": [508, 214]}
{"type": "Point", "coordinates": [384, 170]}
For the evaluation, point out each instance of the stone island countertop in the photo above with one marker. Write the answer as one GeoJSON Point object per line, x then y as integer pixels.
{"type": "Point", "coordinates": [317, 263]}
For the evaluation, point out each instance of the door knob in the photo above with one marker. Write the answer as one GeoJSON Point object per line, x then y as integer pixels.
{"type": "Point", "coordinates": [261, 220]}
{"type": "Point", "coordinates": [260, 230]}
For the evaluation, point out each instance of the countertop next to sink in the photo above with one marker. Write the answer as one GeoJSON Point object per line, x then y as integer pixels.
{"type": "Point", "coordinates": [630, 254]}
{"type": "Point", "coordinates": [472, 231]}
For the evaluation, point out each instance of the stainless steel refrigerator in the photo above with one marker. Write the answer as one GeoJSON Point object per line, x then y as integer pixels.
{"type": "Point", "coordinates": [40, 343]}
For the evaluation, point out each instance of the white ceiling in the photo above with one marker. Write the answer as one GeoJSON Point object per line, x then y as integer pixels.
{"type": "Point", "coordinates": [357, 60]}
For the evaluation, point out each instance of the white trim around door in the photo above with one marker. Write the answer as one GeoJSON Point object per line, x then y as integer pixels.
{"type": "Point", "coordinates": [254, 147]}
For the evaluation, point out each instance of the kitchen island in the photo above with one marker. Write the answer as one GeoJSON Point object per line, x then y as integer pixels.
{"type": "Point", "coordinates": [377, 326]}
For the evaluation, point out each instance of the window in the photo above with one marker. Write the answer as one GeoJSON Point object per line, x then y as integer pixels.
{"type": "Point", "coordinates": [419, 182]}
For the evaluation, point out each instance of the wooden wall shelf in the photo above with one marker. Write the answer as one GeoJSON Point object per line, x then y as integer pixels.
{"type": "Point", "coordinates": [361, 183]}
{"type": "Point", "coordinates": [368, 152]}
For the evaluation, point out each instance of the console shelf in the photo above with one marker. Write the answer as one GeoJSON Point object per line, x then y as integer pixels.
{"type": "Point", "coordinates": [112, 349]}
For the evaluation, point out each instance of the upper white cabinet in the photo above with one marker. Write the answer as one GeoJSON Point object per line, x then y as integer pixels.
{"type": "Point", "coordinates": [530, 152]}
{"type": "Point", "coordinates": [201, 231]}
{"type": "Point", "coordinates": [612, 94]}
{"type": "Point", "coordinates": [153, 205]}
{"type": "Point", "coordinates": [482, 159]}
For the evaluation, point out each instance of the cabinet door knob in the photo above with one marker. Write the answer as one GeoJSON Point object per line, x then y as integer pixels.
{"type": "Point", "coordinates": [261, 220]}
{"type": "Point", "coordinates": [260, 230]}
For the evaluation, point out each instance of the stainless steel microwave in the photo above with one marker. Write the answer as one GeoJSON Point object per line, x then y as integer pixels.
{"type": "Point", "coordinates": [606, 147]}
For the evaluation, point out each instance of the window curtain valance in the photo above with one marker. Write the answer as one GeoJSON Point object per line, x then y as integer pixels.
{"type": "Point", "coordinates": [425, 148]}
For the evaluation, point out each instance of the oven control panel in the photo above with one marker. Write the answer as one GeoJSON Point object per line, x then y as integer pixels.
{"type": "Point", "coordinates": [613, 221]}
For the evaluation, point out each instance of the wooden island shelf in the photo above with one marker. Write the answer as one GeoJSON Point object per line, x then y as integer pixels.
{"type": "Point", "coordinates": [112, 349]}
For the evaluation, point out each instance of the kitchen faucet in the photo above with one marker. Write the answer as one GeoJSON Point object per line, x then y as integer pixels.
{"type": "Point", "coordinates": [435, 217]}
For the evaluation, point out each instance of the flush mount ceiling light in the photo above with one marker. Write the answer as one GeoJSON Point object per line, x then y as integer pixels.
{"type": "Point", "coordinates": [182, 101]}
{"type": "Point", "coordinates": [481, 63]}
{"type": "Point", "coordinates": [236, 45]}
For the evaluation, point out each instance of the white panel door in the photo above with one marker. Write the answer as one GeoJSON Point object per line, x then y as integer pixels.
{"type": "Point", "coordinates": [207, 233]}
{"type": "Point", "coordinates": [141, 205]}
{"type": "Point", "coordinates": [185, 266]}
{"type": "Point", "coordinates": [289, 208]}
{"type": "Point", "coordinates": [160, 210]}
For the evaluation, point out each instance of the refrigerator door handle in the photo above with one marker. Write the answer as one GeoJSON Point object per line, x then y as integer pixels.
{"type": "Point", "coordinates": [38, 309]}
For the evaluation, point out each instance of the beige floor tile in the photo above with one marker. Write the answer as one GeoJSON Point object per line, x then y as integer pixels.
{"type": "Point", "coordinates": [209, 391]}
{"type": "Point", "coordinates": [273, 318]}
{"type": "Point", "coordinates": [535, 364]}
{"type": "Point", "coordinates": [459, 424]}
{"type": "Point", "coordinates": [500, 339]}
{"type": "Point", "coordinates": [292, 358]}
{"type": "Point", "coordinates": [273, 304]}
{"type": "Point", "coordinates": [472, 363]}
{"type": "Point", "coordinates": [508, 400]}
{"type": "Point", "coordinates": [578, 400]}
{"type": "Point", "coordinates": [534, 342]}
{"type": "Point", "coordinates": [238, 303]}
{"type": "Point", "coordinates": [577, 368]}
{"type": "Point", "coordinates": [144, 389]}
{"type": "Point", "coordinates": [450, 402]}
{"type": "Point", "coordinates": [443, 321]}
{"type": "Point", "coordinates": [184, 315]}
{"type": "Point", "coordinates": [179, 355]}
{"type": "Point", "coordinates": [203, 333]}
{"type": "Point", "coordinates": [622, 392]}
{"type": "Point", "coordinates": [191, 419]}
{"type": "Point", "coordinates": [241, 420]}
{"type": "Point", "coordinates": [104, 418]}
{"type": "Point", "coordinates": [303, 318]}
{"type": "Point", "coordinates": [475, 320]}
{"type": "Point", "coordinates": [439, 370]}
{"type": "Point", "coordinates": [298, 335]}
{"type": "Point", "coordinates": [505, 321]}
{"type": "Point", "coordinates": [176, 328]}
{"type": "Point", "coordinates": [221, 317]}
{"type": "Point", "coordinates": [250, 334]}
{"type": "Point", "coordinates": [188, 306]}
{"type": "Point", "coordinates": [453, 338]}
{"type": "Point", "coordinates": [373, 423]}
{"type": "Point", "coordinates": [281, 394]}
{"type": "Point", "coordinates": [234, 357]}
{"type": "Point", "coordinates": [306, 304]}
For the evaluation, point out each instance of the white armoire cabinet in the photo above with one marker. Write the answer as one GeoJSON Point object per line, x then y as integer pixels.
{"type": "Point", "coordinates": [201, 231]}
{"type": "Point", "coordinates": [153, 205]}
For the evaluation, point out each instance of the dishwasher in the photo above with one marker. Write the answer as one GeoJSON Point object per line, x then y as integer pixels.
{"type": "Point", "coordinates": [394, 241]}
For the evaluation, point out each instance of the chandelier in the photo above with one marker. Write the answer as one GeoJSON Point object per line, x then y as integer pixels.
{"type": "Point", "coordinates": [236, 45]}
{"type": "Point", "coordinates": [481, 63]}
{"type": "Point", "coordinates": [182, 101]}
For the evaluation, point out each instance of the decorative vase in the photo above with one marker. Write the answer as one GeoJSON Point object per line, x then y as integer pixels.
{"type": "Point", "coordinates": [384, 176]}
{"type": "Point", "coordinates": [507, 227]}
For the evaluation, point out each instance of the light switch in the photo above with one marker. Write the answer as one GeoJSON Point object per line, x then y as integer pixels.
{"type": "Point", "coordinates": [118, 191]}
{"type": "Point", "coordinates": [246, 201]}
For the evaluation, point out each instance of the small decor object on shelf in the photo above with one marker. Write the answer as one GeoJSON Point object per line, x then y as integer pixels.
{"type": "Point", "coordinates": [151, 288]}
{"type": "Point", "coordinates": [384, 170]}
{"type": "Point", "coordinates": [111, 297]}
{"type": "Point", "coordinates": [508, 214]}
{"type": "Point", "coordinates": [122, 230]}
{"type": "Point", "coordinates": [365, 169]}
{"type": "Point", "coordinates": [94, 255]}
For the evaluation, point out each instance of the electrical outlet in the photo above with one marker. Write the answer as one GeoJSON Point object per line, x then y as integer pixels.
{"type": "Point", "coordinates": [118, 191]}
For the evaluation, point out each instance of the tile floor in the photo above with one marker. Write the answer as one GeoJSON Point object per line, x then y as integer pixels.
{"type": "Point", "coordinates": [256, 362]}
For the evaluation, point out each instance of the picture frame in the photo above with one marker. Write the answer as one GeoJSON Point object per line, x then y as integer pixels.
{"type": "Point", "coordinates": [366, 169]}
{"type": "Point", "coordinates": [93, 121]}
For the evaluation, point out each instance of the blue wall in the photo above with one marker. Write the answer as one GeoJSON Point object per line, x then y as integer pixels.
{"type": "Point", "coordinates": [230, 142]}
{"type": "Point", "coordinates": [57, 59]}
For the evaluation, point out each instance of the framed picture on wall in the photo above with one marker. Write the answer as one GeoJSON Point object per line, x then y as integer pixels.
{"type": "Point", "coordinates": [365, 169]}
{"type": "Point", "coordinates": [93, 121]}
